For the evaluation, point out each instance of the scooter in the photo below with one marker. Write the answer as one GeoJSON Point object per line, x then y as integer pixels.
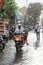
{"type": "Point", "coordinates": [19, 41]}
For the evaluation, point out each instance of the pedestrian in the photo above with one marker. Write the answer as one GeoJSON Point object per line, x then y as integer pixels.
{"type": "Point", "coordinates": [37, 30]}
{"type": "Point", "coordinates": [26, 34]}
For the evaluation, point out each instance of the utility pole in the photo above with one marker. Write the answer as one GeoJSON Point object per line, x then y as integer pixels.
{"type": "Point", "coordinates": [26, 3]}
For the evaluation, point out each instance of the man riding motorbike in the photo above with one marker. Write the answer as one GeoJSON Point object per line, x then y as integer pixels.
{"type": "Point", "coordinates": [20, 29]}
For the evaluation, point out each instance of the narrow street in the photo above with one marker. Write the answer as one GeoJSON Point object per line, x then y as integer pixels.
{"type": "Point", "coordinates": [16, 17]}
{"type": "Point", "coordinates": [28, 56]}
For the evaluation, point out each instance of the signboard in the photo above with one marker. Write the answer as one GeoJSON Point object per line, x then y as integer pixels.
{"type": "Point", "coordinates": [0, 4]}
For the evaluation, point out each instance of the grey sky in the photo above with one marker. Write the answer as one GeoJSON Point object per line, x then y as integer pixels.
{"type": "Point", "coordinates": [22, 3]}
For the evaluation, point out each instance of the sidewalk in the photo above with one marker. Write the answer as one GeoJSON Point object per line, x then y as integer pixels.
{"type": "Point", "coordinates": [31, 38]}
{"type": "Point", "coordinates": [38, 54]}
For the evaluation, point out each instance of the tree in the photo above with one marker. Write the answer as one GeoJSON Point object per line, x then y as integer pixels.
{"type": "Point", "coordinates": [8, 10]}
{"type": "Point", "coordinates": [34, 11]}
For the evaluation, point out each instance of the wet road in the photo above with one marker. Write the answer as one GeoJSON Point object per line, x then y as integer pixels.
{"type": "Point", "coordinates": [25, 57]}
{"type": "Point", "coordinates": [10, 57]}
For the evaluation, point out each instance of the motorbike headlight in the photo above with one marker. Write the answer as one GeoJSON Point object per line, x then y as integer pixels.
{"type": "Point", "coordinates": [17, 39]}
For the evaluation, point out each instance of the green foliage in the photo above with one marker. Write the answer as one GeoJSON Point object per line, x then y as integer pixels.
{"type": "Point", "coordinates": [8, 10]}
{"type": "Point", "coordinates": [34, 11]}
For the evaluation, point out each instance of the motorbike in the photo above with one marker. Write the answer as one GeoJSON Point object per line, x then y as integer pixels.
{"type": "Point", "coordinates": [2, 43]}
{"type": "Point", "coordinates": [19, 41]}
{"type": "Point", "coordinates": [10, 34]}
{"type": "Point", "coordinates": [5, 38]}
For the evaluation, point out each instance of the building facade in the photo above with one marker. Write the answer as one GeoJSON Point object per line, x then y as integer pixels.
{"type": "Point", "coordinates": [3, 26]}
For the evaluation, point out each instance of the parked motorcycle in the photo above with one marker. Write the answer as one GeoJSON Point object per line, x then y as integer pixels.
{"type": "Point", "coordinates": [2, 43]}
{"type": "Point", "coordinates": [5, 38]}
{"type": "Point", "coordinates": [19, 41]}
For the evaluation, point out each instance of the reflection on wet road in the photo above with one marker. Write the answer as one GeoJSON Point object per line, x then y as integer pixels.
{"type": "Point", "coordinates": [7, 57]}
{"type": "Point", "coordinates": [18, 57]}
{"type": "Point", "coordinates": [10, 57]}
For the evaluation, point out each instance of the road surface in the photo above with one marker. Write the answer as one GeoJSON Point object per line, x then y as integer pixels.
{"type": "Point", "coordinates": [28, 56]}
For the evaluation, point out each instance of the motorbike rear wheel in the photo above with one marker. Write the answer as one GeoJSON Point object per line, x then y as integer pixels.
{"type": "Point", "coordinates": [17, 49]}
